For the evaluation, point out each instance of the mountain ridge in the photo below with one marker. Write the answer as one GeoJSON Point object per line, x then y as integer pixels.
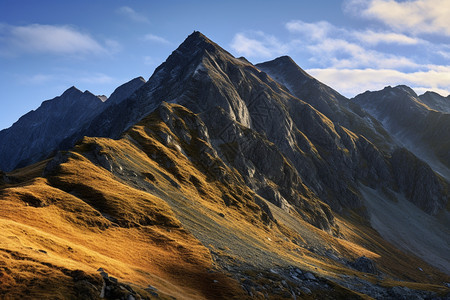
{"type": "Point", "coordinates": [57, 118]}
{"type": "Point", "coordinates": [216, 163]}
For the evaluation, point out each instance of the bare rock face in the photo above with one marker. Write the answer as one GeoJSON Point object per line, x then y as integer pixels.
{"type": "Point", "coordinates": [415, 125]}
{"type": "Point", "coordinates": [418, 182]}
{"type": "Point", "coordinates": [329, 102]}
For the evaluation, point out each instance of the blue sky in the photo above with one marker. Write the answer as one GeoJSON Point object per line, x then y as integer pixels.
{"type": "Point", "coordinates": [351, 45]}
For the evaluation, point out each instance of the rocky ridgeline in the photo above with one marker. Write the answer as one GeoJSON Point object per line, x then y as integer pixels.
{"type": "Point", "coordinates": [421, 128]}
{"type": "Point", "coordinates": [287, 151]}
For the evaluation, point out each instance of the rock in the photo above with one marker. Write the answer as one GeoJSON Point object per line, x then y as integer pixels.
{"type": "Point", "coordinates": [299, 272]}
{"type": "Point", "coordinates": [150, 288]}
{"type": "Point", "coordinates": [53, 165]}
{"type": "Point", "coordinates": [413, 174]}
{"type": "Point", "coordinates": [306, 290]}
{"type": "Point", "coordinates": [310, 276]}
{"type": "Point", "coordinates": [113, 279]}
{"type": "Point", "coordinates": [404, 293]}
{"type": "Point", "coordinates": [365, 265]}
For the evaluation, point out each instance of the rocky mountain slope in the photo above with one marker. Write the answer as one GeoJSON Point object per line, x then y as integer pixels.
{"type": "Point", "coordinates": [216, 180]}
{"type": "Point", "coordinates": [421, 129]}
{"type": "Point", "coordinates": [336, 107]}
{"type": "Point", "coordinates": [39, 133]}
{"type": "Point", "coordinates": [435, 101]}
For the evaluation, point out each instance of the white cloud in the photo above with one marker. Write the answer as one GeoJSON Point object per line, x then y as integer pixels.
{"type": "Point", "coordinates": [416, 17]}
{"type": "Point", "coordinates": [132, 14]}
{"type": "Point", "coordinates": [374, 38]}
{"type": "Point", "coordinates": [351, 82]}
{"type": "Point", "coordinates": [259, 45]}
{"type": "Point", "coordinates": [155, 38]}
{"type": "Point", "coordinates": [339, 53]}
{"type": "Point", "coordinates": [37, 38]}
{"type": "Point", "coordinates": [315, 31]}
{"type": "Point", "coordinates": [318, 31]}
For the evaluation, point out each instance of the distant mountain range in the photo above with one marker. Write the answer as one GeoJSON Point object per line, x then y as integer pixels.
{"type": "Point", "coordinates": [261, 174]}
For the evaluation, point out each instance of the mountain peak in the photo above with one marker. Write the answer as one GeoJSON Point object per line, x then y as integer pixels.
{"type": "Point", "coordinates": [71, 91]}
{"type": "Point", "coordinates": [406, 89]}
{"type": "Point", "coordinates": [285, 63]}
{"type": "Point", "coordinates": [198, 43]}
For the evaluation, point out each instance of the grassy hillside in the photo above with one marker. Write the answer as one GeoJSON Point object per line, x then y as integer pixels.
{"type": "Point", "coordinates": [145, 210]}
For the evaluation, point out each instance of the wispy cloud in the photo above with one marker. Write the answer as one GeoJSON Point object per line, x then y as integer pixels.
{"type": "Point", "coordinates": [336, 47]}
{"type": "Point", "coordinates": [339, 53]}
{"type": "Point", "coordinates": [314, 31]}
{"type": "Point", "coordinates": [155, 38]}
{"type": "Point", "coordinates": [39, 79]}
{"type": "Point", "coordinates": [47, 39]}
{"type": "Point", "coordinates": [350, 81]}
{"type": "Point", "coordinates": [258, 44]}
{"type": "Point", "coordinates": [132, 14]}
{"type": "Point", "coordinates": [354, 60]}
{"type": "Point", "coordinates": [318, 31]}
{"type": "Point", "coordinates": [371, 37]}
{"type": "Point", "coordinates": [416, 17]}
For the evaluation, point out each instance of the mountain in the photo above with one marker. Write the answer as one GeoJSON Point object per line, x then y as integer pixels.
{"type": "Point", "coordinates": [333, 105]}
{"type": "Point", "coordinates": [215, 180]}
{"type": "Point", "coordinates": [39, 133]}
{"type": "Point", "coordinates": [34, 135]}
{"type": "Point", "coordinates": [416, 126]}
{"type": "Point", "coordinates": [435, 101]}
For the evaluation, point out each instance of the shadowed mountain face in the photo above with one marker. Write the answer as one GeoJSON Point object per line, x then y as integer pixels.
{"type": "Point", "coordinates": [336, 107]}
{"type": "Point", "coordinates": [240, 177]}
{"type": "Point", "coordinates": [416, 122]}
{"type": "Point", "coordinates": [39, 133]}
{"type": "Point", "coordinates": [436, 101]}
